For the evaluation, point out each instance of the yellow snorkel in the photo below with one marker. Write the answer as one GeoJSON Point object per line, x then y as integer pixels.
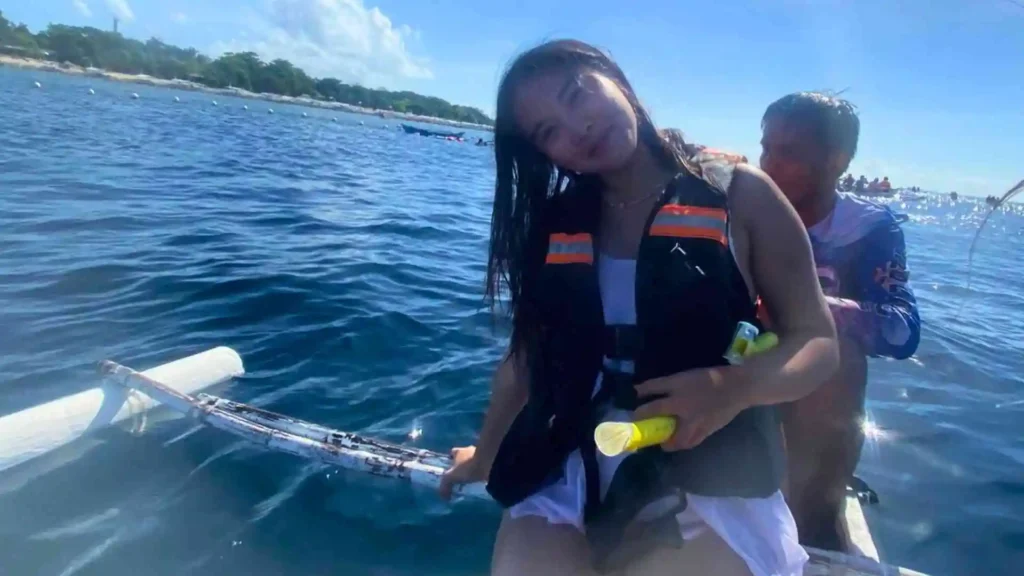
{"type": "Point", "coordinates": [614, 438]}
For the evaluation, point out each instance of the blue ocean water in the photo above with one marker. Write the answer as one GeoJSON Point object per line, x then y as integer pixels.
{"type": "Point", "coordinates": [344, 260]}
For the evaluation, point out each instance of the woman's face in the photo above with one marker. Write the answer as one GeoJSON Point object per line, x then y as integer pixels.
{"type": "Point", "coordinates": [582, 121]}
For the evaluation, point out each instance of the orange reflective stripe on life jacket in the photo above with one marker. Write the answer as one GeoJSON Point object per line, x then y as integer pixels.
{"type": "Point", "coordinates": [570, 249]}
{"type": "Point", "coordinates": [679, 221]}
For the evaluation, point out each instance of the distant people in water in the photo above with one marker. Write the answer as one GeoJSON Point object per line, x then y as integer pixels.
{"type": "Point", "coordinates": [861, 185]}
{"type": "Point", "coordinates": [846, 184]}
{"type": "Point", "coordinates": [864, 188]}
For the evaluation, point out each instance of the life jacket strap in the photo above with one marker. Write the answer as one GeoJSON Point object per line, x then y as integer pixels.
{"type": "Point", "coordinates": [622, 341]}
{"type": "Point", "coordinates": [620, 389]}
{"type": "Point", "coordinates": [611, 382]}
{"type": "Point", "coordinates": [618, 541]}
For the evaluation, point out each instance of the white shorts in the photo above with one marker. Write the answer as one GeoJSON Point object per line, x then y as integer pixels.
{"type": "Point", "coordinates": [760, 530]}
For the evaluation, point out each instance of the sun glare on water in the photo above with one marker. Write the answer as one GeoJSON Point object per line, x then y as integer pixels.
{"type": "Point", "coordinates": [874, 433]}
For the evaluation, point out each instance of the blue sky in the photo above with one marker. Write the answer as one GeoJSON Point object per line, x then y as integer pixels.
{"type": "Point", "coordinates": [938, 82]}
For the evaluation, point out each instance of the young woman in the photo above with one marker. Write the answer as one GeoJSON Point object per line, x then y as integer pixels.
{"type": "Point", "coordinates": [629, 259]}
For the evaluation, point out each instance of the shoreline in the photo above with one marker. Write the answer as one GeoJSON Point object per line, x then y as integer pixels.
{"type": "Point", "coordinates": [177, 84]}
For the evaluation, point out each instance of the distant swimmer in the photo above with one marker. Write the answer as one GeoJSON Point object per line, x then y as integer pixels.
{"type": "Point", "coordinates": [808, 141]}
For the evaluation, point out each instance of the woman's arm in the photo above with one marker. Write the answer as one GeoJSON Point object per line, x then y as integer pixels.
{"type": "Point", "coordinates": [782, 266]}
{"type": "Point", "coordinates": [784, 275]}
{"type": "Point", "coordinates": [509, 392]}
{"type": "Point", "coordinates": [510, 389]}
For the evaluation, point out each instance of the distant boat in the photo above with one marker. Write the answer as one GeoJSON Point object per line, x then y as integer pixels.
{"type": "Point", "coordinates": [414, 130]}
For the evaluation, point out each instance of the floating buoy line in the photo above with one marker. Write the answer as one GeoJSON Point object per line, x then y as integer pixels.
{"type": "Point", "coordinates": [177, 99]}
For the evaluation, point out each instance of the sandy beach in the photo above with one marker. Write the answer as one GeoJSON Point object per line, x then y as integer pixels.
{"type": "Point", "coordinates": [177, 84]}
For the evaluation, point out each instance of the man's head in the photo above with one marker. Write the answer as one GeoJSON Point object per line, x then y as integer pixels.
{"type": "Point", "coordinates": [807, 142]}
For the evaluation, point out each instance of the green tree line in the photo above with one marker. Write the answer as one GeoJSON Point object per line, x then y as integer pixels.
{"type": "Point", "coordinates": [87, 46]}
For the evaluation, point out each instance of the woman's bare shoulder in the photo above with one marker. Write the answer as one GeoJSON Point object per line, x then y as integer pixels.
{"type": "Point", "coordinates": [752, 193]}
{"type": "Point", "coordinates": [750, 180]}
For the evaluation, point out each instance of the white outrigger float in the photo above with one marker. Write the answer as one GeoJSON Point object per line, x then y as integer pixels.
{"type": "Point", "coordinates": [126, 394]}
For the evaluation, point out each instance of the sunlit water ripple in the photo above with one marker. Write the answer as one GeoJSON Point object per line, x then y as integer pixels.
{"type": "Point", "coordinates": [344, 261]}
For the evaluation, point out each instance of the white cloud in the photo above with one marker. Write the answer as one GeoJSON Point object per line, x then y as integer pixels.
{"type": "Point", "coordinates": [333, 38]}
{"type": "Point", "coordinates": [409, 32]}
{"type": "Point", "coordinates": [82, 8]}
{"type": "Point", "coordinates": [121, 9]}
{"type": "Point", "coordinates": [179, 17]}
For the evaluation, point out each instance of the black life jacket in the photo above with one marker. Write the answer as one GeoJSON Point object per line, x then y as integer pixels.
{"type": "Point", "coordinates": [690, 295]}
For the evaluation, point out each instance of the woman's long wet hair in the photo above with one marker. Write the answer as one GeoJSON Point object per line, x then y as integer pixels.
{"type": "Point", "coordinates": [526, 178]}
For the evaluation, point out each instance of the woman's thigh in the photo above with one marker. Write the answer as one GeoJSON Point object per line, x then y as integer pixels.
{"type": "Point", "coordinates": [705, 555]}
{"type": "Point", "coordinates": [532, 546]}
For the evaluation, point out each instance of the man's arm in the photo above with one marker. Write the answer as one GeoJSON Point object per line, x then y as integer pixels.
{"type": "Point", "coordinates": [883, 320]}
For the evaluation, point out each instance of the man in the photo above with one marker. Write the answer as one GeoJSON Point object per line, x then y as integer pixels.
{"type": "Point", "coordinates": [808, 140]}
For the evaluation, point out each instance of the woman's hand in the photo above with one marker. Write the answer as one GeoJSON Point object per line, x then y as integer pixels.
{"type": "Point", "coordinates": [702, 400]}
{"type": "Point", "coordinates": [510, 389]}
{"type": "Point", "coordinates": [466, 469]}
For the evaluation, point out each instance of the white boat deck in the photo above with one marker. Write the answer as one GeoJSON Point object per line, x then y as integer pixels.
{"type": "Point", "coordinates": [866, 563]}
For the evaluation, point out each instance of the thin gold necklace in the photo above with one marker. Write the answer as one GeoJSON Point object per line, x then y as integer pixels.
{"type": "Point", "coordinates": [633, 202]}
